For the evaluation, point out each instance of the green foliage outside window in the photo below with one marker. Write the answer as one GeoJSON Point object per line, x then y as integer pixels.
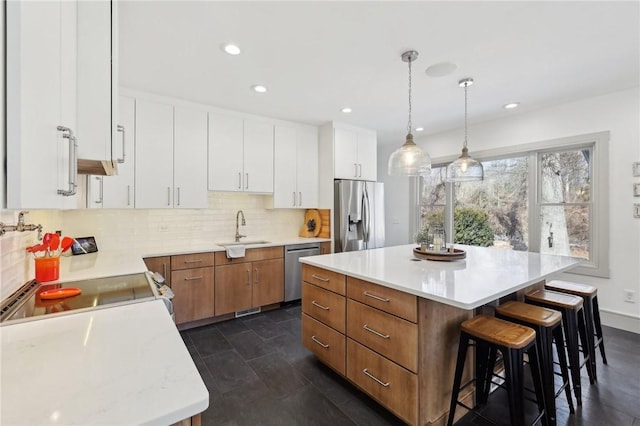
{"type": "Point", "coordinates": [472, 227]}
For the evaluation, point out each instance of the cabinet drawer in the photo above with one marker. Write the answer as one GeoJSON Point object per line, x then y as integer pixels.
{"type": "Point", "coordinates": [195, 260]}
{"type": "Point", "coordinates": [386, 382]}
{"type": "Point", "coordinates": [194, 294]}
{"type": "Point", "coordinates": [324, 306]}
{"type": "Point", "coordinates": [393, 337]}
{"type": "Point", "coordinates": [395, 302]}
{"type": "Point", "coordinates": [326, 343]}
{"type": "Point", "coordinates": [251, 255]}
{"type": "Point", "coordinates": [324, 278]}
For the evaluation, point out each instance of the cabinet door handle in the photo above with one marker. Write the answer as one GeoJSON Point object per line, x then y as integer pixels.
{"type": "Point", "coordinates": [257, 277]}
{"type": "Point", "coordinates": [314, 303]}
{"type": "Point", "coordinates": [193, 261]}
{"type": "Point", "coordinates": [246, 182]}
{"type": "Point", "coordinates": [168, 195]}
{"type": "Point", "coordinates": [319, 342]}
{"type": "Point", "coordinates": [377, 333]}
{"type": "Point", "coordinates": [193, 278]}
{"type": "Point", "coordinates": [128, 195]}
{"type": "Point", "coordinates": [294, 198]}
{"type": "Point", "coordinates": [326, 280]}
{"type": "Point", "coordinates": [99, 179]}
{"type": "Point", "coordinates": [366, 371]}
{"type": "Point", "coordinates": [121, 129]}
{"type": "Point", "coordinates": [178, 197]}
{"type": "Point", "coordinates": [239, 180]}
{"type": "Point", "coordinates": [300, 198]}
{"type": "Point", "coordinates": [248, 277]}
{"type": "Point", "coordinates": [373, 296]}
{"type": "Point", "coordinates": [73, 162]}
{"type": "Point", "coordinates": [355, 169]}
{"type": "Point", "coordinates": [360, 168]}
{"type": "Point", "coordinates": [164, 270]}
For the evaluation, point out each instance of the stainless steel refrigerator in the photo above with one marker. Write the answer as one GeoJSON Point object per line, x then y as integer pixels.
{"type": "Point", "coordinates": [358, 213]}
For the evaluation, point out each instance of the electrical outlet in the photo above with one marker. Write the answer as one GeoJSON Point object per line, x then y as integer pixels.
{"type": "Point", "coordinates": [630, 296]}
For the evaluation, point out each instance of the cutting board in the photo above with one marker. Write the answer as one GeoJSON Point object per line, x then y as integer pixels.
{"type": "Point", "coordinates": [311, 214]}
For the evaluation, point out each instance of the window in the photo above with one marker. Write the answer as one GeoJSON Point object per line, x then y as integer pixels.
{"type": "Point", "coordinates": [547, 197]}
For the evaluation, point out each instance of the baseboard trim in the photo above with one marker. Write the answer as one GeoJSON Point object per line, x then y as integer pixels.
{"type": "Point", "coordinates": [620, 320]}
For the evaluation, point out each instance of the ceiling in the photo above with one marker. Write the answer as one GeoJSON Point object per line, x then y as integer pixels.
{"type": "Point", "coordinates": [318, 57]}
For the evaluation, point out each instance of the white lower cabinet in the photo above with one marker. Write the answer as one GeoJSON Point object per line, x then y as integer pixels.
{"type": "Point", "coordinates": [170, 156]}
{"type": "Point", "coordinates": [240, 154]}
{"type": "Point", "coordinates": [296, 167]}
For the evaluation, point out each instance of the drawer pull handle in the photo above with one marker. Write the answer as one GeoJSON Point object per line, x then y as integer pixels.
{"type": "Point", "coordinates": [373, 296]}
{"type": "Point", "coordinates": [326, 280]}
{"type": "Point", "coordinates": [193, 261]}
{"type": "Point", "coordinates": [365, 371]}
{"type": "Point", "coordinates": [377, 333]}
{"type": "Point", "coordinates": [192, 278]}
{"type": "Point", "coordinates": [319, 342]}
{"type": "Point", "coordinates": [314, 303]}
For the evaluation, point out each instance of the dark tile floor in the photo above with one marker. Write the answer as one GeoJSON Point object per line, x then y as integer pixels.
{"type": "Point", "coordinates": [258, 373]}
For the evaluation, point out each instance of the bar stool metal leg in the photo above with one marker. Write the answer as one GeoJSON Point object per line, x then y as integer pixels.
{"type": "Point", "coordinates": [455, 392]}
{"type": "Point", "coordinates": [598, 327]}
{"type": "Point", "coordinates": [558, 337]}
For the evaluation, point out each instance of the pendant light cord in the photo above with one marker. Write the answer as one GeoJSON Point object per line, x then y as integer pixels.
{"type": "Point", "coordinates": [466, 86]}
{"type": "Point", "coordinates": [409, 123]}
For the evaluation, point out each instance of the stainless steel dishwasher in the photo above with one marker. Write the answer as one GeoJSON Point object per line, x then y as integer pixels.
{"type": "Point", "coordinates": [293, 268]}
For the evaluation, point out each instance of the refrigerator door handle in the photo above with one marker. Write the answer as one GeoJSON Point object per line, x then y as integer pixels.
{"type": "Point", "coordinates": [366, 217]}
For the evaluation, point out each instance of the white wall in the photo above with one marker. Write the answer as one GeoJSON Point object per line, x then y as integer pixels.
{"type": "Point", "coordinates": [618, 113]}
{"type": "Point", "coordinates": [396, 200]}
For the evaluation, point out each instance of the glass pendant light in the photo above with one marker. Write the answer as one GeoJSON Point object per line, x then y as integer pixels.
{"type": "Point", "coordinates": [465, 168]}
{"type": "Point", "coordinates": [409, 159]}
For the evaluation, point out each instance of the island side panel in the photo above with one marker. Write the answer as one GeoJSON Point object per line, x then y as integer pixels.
{"type": "Point", "coordinates": [439, 334]}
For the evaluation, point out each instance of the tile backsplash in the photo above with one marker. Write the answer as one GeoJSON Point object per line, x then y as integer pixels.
{"type": "Point", "coordinates": [141, 229]}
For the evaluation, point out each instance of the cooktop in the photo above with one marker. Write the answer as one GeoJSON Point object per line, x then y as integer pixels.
{"type": "Point", "coordinates": [95, 293]}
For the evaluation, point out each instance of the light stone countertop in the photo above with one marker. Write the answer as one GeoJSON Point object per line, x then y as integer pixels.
{"type": "Point", "coordinates": [130, 261]}
{"type": "Point", "coordinates": [484, 276]}
{"type": "Point", "coordinates": [120, 366]}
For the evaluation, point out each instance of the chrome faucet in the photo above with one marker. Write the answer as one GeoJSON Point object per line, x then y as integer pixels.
{"type": "Point", "coordinates": [21, 226]}
{"type": "Point", "coordinates": [244, 223]}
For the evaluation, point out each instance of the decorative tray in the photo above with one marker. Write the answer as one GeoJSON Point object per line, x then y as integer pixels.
{"type": "Point", "coordinates": [445, 256]}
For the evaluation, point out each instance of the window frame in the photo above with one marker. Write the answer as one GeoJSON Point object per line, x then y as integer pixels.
{"type": "Point", "coordinates": [598, 143]}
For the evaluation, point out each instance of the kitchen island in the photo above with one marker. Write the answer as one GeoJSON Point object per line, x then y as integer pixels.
{"type": "Point", "coordinates": [389, 322]}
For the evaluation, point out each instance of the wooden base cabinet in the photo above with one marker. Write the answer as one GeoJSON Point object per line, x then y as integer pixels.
{"type": "Point", "coordinates": [400, 348]}
{"type": "Point", "coordinates": [194, 294]}
{"type": "Point", "coordinates": [251, 281]}
{"type": "Point", "coordinates": [161, 265]}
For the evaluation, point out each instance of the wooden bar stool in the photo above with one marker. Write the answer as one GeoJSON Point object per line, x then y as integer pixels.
{"type": "Point", "coordinates": [547, 323]}
{"type": "Point", "coordinates": [574, 324]}
{"type": "Point", "coordinates": [512, 340]}
{"type": "Point", "coordinates": [589, 295]}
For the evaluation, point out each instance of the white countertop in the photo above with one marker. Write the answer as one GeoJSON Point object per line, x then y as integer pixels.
{"type": "Point", "coordinates": [119, 366]}
{"type": "Point", "coordinates": [127, 261]}
{"type": "Point", "coordinates": [485, 275]}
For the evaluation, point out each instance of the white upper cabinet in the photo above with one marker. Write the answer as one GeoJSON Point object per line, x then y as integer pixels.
{"type": "Point", "coordinates": [296, 167]}
{"type": "Point", "coordinates": [154, 155]}
{"type": "Point", "coordinates": [240, 154]}
{"type": "Point", "coordinates": [41, 97]}
{"type": "Point", "coordinates": [190, 158]}
{"type": "Point", "coordinates": [170, 156]}
{"type": "Point", "coordinates": [355, 154]}
{"type": "Point", "coordinates": [118, 192]}
{"type": "Point", "coordinates": [225, 153]}
{"type": "Point", "coordinates": [97, 85]}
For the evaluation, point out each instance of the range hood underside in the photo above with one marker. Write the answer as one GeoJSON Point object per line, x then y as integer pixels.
{"type": "Point", "coordinates": [97, 167]}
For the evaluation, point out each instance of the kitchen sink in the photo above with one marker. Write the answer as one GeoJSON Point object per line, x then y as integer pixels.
{"type": "Point", "coordinates": [243, 243]}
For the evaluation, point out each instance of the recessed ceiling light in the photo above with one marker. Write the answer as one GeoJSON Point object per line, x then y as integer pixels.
{"type": "Point", "coordinates": [419, 129]}
{"type": "Point", "coordinates": [346, 110]}
{"type": "Point", "coordinates": [231, 49]}
{"type": "Point", "coordinates": [259, 88]}
{"type": "Point", "coordinates": [441, 69]}
{"type": "Point", "coordinates": [511, 105]}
